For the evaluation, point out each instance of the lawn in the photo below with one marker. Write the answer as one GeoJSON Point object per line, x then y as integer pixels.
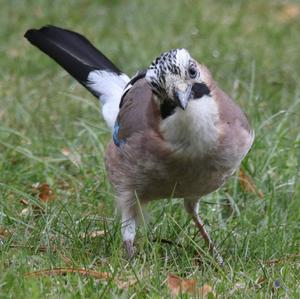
{"type": "Point", "coordinates": [54, 191]}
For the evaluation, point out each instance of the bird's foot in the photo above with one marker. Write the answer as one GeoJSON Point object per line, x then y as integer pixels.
{"type": "Point", "coordinates": [218, 257]}
{"type": "Point", "coordinates": [128, 244]}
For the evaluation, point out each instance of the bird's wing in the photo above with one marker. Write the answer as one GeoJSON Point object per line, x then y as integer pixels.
{"type": "Point", "coordinates": [138, 113]}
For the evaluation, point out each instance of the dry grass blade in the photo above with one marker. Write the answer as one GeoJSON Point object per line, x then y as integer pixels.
{"type": "Point", "coordinates": [74, 157]}
{"type": "Point", "coordinates": [24, 202]}
{"type": "Point", "coordinates": [66, 259]}
{"type": "Point", "coordinates": [248, 184]}
{"type": "Point", "coordinates": [1, 113]}
{"type": "Point", "coordinates": [237, 286]}
{"type": "Point", "coordinates": [281, 260]}
{"type": "Point", "coordinates": [261, 280]}
{"type": "Point", "coordinates": [93, 234]}
{"type": "Point", "coordinates": [41, 248]}
{"type": "Point", "coordinates": [64, 271]}
{"type": "Point", "coordinates": [121, 283]}
{"type": "Point", "coordinates": [125, 284]}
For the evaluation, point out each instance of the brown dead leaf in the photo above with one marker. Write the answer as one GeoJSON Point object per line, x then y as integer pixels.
{"type": "Point", "coordinates": [289, 12]}
{"type": "Point", "coordinates": [24, 202]}
{"type": "Point", "coordinates": [248, 184]}
{"type": "Point", "coordinates": [93, 234]}
{"type": "Point", "coordinates": [45, 193]}
{"type": "Point", "coordinates": [64, 271]}
{"type": "Point", "coordinates": [205, 290]}
{"type": "Point", "coordinates": [178, 285]}
{"type": "Point", "coordinates": [4, 232]}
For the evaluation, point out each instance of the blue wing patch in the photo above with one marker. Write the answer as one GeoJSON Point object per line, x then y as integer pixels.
{"type": "Point", "coordinates": [116, 139]}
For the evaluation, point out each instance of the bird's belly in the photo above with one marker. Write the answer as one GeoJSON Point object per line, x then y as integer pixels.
{"type": "Point", "coordinates": [167, 175]}
{"type": "Point", "coordinates": [192, 176]}
{"type": "Point", "coordinates": [182, 179]}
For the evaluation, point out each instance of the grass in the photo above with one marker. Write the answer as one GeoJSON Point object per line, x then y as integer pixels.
{"type": "Point", "coordinates": [252, 48]}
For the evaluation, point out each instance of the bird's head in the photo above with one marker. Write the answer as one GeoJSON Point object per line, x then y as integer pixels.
{"type": "Point", "coordinates": [177, 78]}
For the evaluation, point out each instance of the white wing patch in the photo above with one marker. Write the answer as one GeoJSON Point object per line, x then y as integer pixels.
{"type": "Point", "coordinates": [110, 88]}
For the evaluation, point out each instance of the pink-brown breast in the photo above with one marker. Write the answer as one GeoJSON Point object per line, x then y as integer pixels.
{"type": "Point", "coordinates": [148, 165]}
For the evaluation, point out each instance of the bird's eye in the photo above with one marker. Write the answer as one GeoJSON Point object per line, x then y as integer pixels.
{"type": "Point", "coordinates": [192, 72]}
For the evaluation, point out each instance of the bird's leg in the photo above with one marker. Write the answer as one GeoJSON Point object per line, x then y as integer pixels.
{"type": "Point", "coordinates": [128, 211]}
{"type": "Point", "coordinates": [192, 208]}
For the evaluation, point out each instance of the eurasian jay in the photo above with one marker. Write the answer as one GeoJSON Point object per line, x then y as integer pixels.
{"type": "Point", "coordinates": [175, 132]}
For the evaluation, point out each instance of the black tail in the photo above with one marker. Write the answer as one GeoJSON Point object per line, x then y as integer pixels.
{"type": "Point", "coordinates": [72, 51]}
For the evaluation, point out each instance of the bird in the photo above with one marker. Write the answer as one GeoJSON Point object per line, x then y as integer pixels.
{"type": "Point", "coordinates": [175, 132]}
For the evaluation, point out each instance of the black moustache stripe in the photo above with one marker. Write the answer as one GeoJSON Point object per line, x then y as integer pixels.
{"type": "Point", "coordinates": [167, 108]}
{"type": "Point", "coordinates": [199, 90]}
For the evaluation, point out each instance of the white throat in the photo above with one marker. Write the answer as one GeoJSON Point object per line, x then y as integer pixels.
{"type": "Point", "coordinates": [194, 131]}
